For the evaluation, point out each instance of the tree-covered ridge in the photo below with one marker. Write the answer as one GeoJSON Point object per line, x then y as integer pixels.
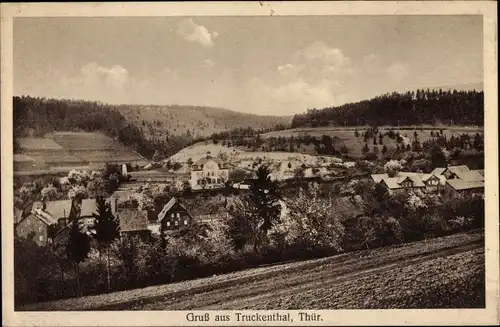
{"type": "Point", "coordinates": [410, 108]}
{"type": "Point", "coordinates": [39, 116]}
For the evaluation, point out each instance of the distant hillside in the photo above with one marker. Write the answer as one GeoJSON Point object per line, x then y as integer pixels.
{"type": "Point", "coordinates": [196, 121]}
{"type": "Point", "coordinates": [146, 129]}
{"type": "Point", "coordinates": [418, 107]}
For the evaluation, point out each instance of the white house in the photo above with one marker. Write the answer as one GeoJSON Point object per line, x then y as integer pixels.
{"type": "Point", "coordinates": [208, 173]}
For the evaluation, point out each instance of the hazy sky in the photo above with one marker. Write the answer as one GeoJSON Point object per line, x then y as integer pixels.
{"type": "Point", "coordinates": [267, 65]}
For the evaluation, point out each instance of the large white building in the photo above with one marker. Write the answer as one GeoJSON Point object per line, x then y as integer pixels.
{"type": "Point", "coordinates": [208, 173]}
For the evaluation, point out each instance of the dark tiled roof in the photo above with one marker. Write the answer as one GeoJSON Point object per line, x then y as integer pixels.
{"type": "Point", "coordinates": [58, 209]}
{"type": "Point", "coordinates": [460, 184]}
{"type": "Point", "coordinates": [133, 220]}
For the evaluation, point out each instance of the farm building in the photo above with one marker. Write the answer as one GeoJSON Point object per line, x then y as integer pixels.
{"type": "Point", "coordinates": [174, 215]}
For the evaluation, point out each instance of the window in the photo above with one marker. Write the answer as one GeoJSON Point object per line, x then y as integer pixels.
{"type": "Point", "coordinates": [176, 223]}
{"type": "Point", "coordinates": [178, 215]}
{"type": "Point", "coordinates": [168, 223]}
{"type": "Point", "coordinates": [172, 215]}
{"type": "Point", "coordinates": [39, 228]}
{"type": "Point", "coordinates": [40, 238]}
{"type": "Point", "coordinates": [185, 222]}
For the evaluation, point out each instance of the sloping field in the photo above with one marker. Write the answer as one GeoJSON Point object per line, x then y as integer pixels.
{"type": "Point", "coordinates": [345, 135]}
{"type": "Point", "coordinates": [84, 141]}
{"type": "Point", "coordinates": [437, 273]}
{"type": "Point", "coordinates": [200, 150]}
{"type": "Point", "coordinates": [64, 151]}
{"type": "Point", "coordinates": [38, 144]}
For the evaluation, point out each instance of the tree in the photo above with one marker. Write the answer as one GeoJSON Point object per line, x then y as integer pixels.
{"type": "Point", "coordinates": [363, 231]}
{"type": "Point", "coordinates": [392, 167]}
{"type": "Point", "coordinates": [107, 228]}
{"type": "Point", "coordinates": [257, 211]}
{"type": "Point", "coordinates": [203, 182]}
{"type": "Point", "coordinates": [365, 148]}
{"type": "Point", "coordinates": [299, 173]}
{"type": "Point", "coordinates": [78, 245]}
{"type": "Point", "coordinates": [310, 223]}
{"type": "Point", "coordinates": [157, 156]}
{"type": "Point", "coordinates": [128, 251]}
{"type": "Point", "coordinates": [438, 159]}
{"type": "Point", "coordinates": [242, 222]}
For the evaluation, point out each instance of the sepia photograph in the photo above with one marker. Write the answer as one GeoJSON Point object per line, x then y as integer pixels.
{"type": "Point", "coordinates": [250, 162]}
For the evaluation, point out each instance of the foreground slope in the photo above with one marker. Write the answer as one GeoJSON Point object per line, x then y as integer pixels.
{"type": "Point", "coordinates": [437, 273]}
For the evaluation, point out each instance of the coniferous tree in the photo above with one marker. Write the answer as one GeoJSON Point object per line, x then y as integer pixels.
{"type": "Point", "coordinates": [365, 148]}
{"type": "Point", "coordinates": [77, 246]}
{"type": "Point", "coordinates": [264, 197]}
{"type": "Point", "coordinates": [107, 228]}
{"type": "Point", "coordinates": [438, 158]}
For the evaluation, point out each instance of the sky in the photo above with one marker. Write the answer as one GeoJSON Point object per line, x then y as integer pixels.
{"type": "Point", "coordinates": [280, 65]}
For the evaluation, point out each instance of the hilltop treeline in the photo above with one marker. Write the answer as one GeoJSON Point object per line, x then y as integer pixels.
{"type": "Point", "coordinates": [410, 108]}
{"type": "Point", "coordinates": [38, 116]}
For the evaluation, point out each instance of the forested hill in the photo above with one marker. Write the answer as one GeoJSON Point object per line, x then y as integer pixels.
{"type": "Point", "coordinates": [197, 121]}
{"type": "Point", "coordinates": [410, 108]}
{"type": "Point", "coordinates": [144, 129]}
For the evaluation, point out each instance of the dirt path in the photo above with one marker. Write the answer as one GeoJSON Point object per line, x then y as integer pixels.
{"type": "Point", "coordinates": [264, 285]}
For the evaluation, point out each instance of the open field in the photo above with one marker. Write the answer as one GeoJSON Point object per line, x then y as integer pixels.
{"type": "Point", "coordinates": [63, 151]}
{"type": "Point", "coordinates": [345, 135]}
{"type": "Point", "coordinates": [436, 273]}
{"type": "Point", "coordinates": [200, 150]}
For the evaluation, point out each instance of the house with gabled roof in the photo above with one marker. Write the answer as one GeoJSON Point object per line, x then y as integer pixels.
{"type": "Point", "coordinates": [134, 223]}
{"type": "Point", "coordinates": [452, 172]}
{"type": "Point", "coordinates": [88, 207]}
{"type": "Point", "coordinates": [402, 184]}
{"type": "Point", "coordinates": [433, 182]}
{"type": "Point", "coordinates": [45, 219]}
{"type": "Point", "coordinates": [464, 187]}
{"type": "Point", "coordinates": [208, 173]}
{"type": "Point", "coordinates": [438, 171]}
{"type": "Point", "coordinates": [36, 226]}
{"type": "Point", "coordinates": [174, 215]}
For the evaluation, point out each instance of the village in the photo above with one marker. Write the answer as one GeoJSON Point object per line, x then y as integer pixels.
{"type": "Point", "coordinates": [211, 175]}
{"type": "Point", "coordinates": [237, 162]}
